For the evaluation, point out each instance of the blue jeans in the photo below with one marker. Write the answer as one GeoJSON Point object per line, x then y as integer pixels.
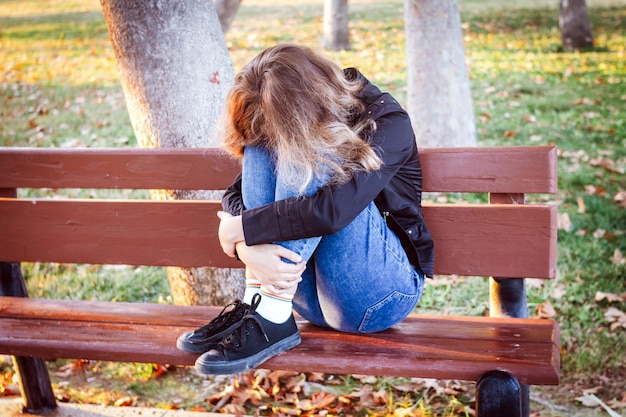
{"type": "Point", "coordinates": [356, 280]}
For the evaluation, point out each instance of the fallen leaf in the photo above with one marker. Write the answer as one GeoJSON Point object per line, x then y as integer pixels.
{"type": "Point", "coordinates": [366, 379]}
{"type": "Point", "coordinates": [581, 205]}
{"type": "Point", "coordinates": [124, 402]}
{"type": "Point", "coordinates": [564, 222]}
{"type": "Point", "coordinates": [71, 368]}
{"type": "Point", "coordinates": [606, 164]}
{"type": "Point", "coordinates": [158, 370]}
{"type": "Point", "coordinates": [616, 318]}
{"type": "Point", "coordinates": [546, 310]}
{"type": "Point", "coordinates": [611, 298]}
{"type": "Point", "coordinates": [620, 198]}
{"type": "Point", "coordinates": [617, 258]}
{"type": "Point", "coordinates": [621, 403]}
{"type": "Point", "coordinates": [9, 390]}
{"type": "Point", "coordinates": [599, 233]}
{"type": "Point", "coordinates": [322, 400]}
{"type": "Point", "coordinates": [587, 401]}
{"type": "Point", "coordinates": [591, 400]}
{"type": "Point", "coordinates": [591, 390]}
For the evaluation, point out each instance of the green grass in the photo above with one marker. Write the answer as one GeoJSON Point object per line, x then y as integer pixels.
{"type": "Point", "coordinates": [97, 283]}
{"type": "Point", "coordinates": [59, 87]}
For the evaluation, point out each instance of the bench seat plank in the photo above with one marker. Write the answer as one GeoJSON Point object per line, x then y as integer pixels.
{"type": "Point", "coordinates": [443, 347]}
{"type": "Point", "coordinates": [474, 240]}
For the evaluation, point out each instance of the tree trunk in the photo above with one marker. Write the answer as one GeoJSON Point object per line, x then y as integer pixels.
{"type": "Point", "coordinates": [226, 11]}
{"type": "Point", "coordinates": [575, 25]}
{"type": "Point", "coordinates": [175, 72]}
{"type": "Point", "coordinates": [439, 98]}
{"type": "Point", "coordinates": [336, 36]}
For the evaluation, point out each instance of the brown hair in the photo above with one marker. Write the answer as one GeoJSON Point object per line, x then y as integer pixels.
{"type": "Point", "coordinates": [299, 105]}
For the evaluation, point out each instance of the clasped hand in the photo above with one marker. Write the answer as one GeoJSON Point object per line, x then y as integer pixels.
{"type": "Point", "coordinates": [263, 262]}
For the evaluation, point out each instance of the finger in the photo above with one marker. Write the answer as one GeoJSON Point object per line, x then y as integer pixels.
{"type": "Point", "coordinates": [289, 271]}
{"type": "Point", "coordinates": [286, 289]}
{"type": "Point", "coordinates": [287, 283]}
{"type": "Point", "coordinates": [223, 214]}
{"type": "Point", "coordinates": [275, 289]}
{"type": "Point", "coordinates": [288, 254]}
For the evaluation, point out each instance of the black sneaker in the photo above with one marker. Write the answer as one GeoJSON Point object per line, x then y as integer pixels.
{"type": "Point", "coordinates": [210, 335]}
{"type": "Point", "coordinates": [253, 341]}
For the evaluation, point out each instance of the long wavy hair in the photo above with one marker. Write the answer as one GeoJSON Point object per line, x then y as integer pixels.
{"type": "Point", "coordinates": [300, 106]}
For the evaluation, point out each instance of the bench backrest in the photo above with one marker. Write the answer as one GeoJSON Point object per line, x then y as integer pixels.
{"type": "Point", "coordinates": [502, 240]}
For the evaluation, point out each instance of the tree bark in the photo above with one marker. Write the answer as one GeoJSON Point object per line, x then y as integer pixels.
{"type": "Point", "coordinates": [175, 72]}
{"type": "Point", "coordinates": [226, 11]}
{"type": "Point", "coordinates": [439, 98]}
{"type": "Point", "coordinates": [336, 35]}
{"type": "Point", "coordinates": [575, 25]}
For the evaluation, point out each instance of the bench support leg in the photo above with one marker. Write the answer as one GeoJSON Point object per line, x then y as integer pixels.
{"type": "Point", "coordinates": [498, 394]}
{"type": "Point", "coordinates": [35, 385]}
{"type": "Point", "coordinates": [508, 299]}
{"type": "Point", "coordinates": [33, 375]}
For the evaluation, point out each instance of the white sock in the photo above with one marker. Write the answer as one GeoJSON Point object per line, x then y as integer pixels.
{"type": "Point", "coordinates": [275, 308]}
{"type": "Point", "coordinates": [252, 287]}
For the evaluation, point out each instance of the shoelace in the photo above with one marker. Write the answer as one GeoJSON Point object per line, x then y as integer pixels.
{"type": "Point", "coordinates": [237, 340]}
{"type": "Point", "coordinates": [220, 319]}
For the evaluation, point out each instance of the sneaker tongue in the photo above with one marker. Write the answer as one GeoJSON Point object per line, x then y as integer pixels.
{"type": "Point", "coordinates": [234, 340]}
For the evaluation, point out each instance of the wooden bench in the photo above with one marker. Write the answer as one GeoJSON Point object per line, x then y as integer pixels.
{"type": "Point", "coordinates": [504, 239]}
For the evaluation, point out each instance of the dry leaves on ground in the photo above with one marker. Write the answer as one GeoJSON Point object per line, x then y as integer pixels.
{"type": "Point", "coordinates": [284, 393]}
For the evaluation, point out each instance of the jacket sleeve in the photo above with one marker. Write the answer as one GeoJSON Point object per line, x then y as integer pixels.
{"type": "Point", "coordinates": [332, 208]}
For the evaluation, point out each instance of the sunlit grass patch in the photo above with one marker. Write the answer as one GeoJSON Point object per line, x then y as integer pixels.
{"type": "Point", "coordinates": [97, 282]}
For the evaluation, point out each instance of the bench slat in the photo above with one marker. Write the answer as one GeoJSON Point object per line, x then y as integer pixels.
{"type": "Point", "coordinates": [420, 346]}
{"type": "Point", "coordinates": [482, 240]}
{"type": "Point", "coordinates": [120, 168]}
{"type": "Point", "coordinates": [508, 169]}
{"type": "Point", "coordinates": [520, 169]}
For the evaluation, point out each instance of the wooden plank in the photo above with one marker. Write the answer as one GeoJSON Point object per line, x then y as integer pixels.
{"type": "Point", "coordinates": [104, 311]}
{"type": "Point", "coordinates": [421, 346]}
{"type": "Point", "coordinates": [117, 168]}
{"type": "Point", "coordinates": [159, 233]}
{"type": "Point", "coordinates": [505, 241]}
{"type": "Point", "coordinates": [524, 169]}
{"type": "Point", "coordinates": [485, 240]}
{"type": "Point", "coordinates": [508, 169]}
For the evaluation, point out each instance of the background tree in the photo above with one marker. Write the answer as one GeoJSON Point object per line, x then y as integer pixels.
{"type": "Point", "coordinates": [439, 99]}
{"type": "Point", "coordinates": [226, 11]}
{"type": "Point", "coordinates": [175, 72]}
{"type": "Point", "coordinates": [575, 25]}
{"type": "Point", "coordinates": [336, 36]}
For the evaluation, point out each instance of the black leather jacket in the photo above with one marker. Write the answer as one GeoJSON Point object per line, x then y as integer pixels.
{"type": "Point", "coordinates": [395, 188]}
